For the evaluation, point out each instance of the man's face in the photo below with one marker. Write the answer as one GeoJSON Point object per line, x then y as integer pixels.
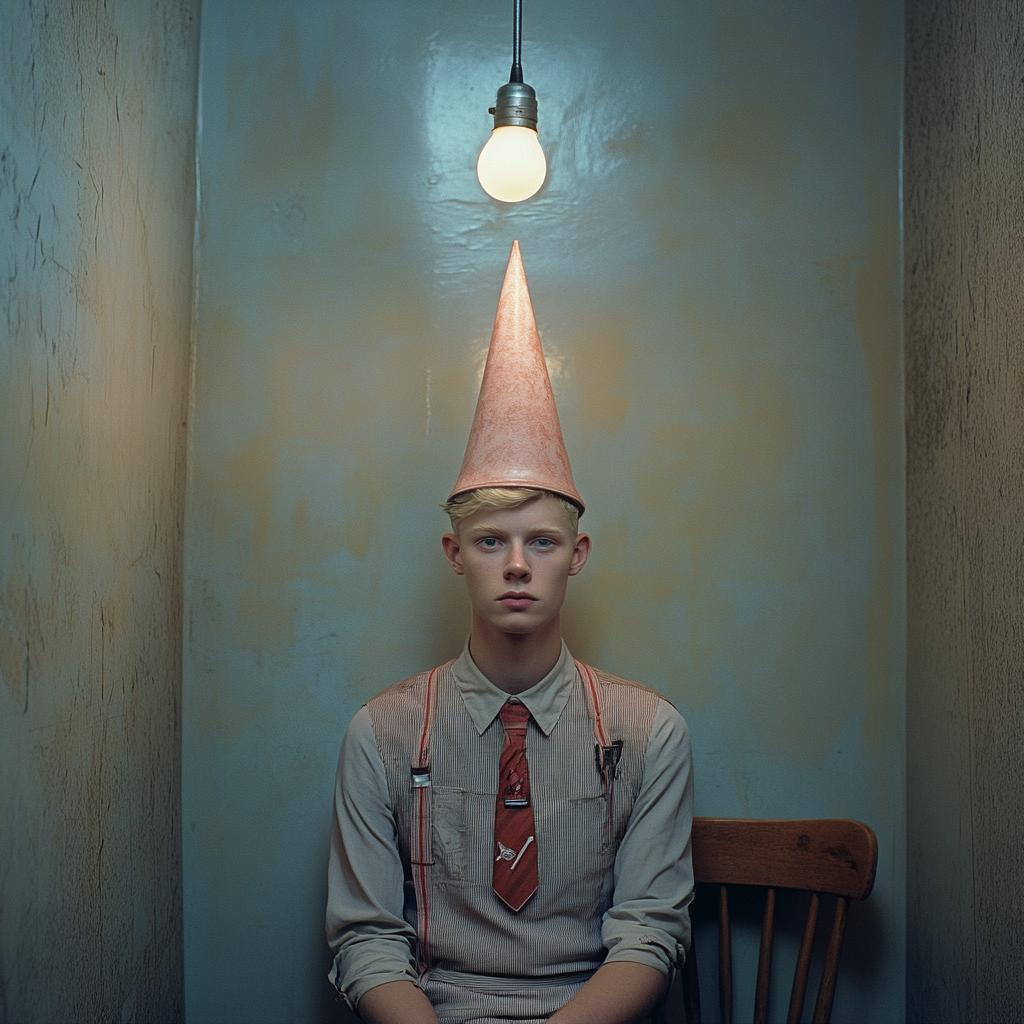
{"type": "Point", "coordinates": [517, 563]}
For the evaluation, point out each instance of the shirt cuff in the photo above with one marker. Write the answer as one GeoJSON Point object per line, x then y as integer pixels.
{"type": "Point", "coordinates": [651, 946]}
{"type": "Point", "coordinates": [361, 974]}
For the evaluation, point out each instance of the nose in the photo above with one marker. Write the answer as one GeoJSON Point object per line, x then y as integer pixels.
{"type": "Point", "coordinates": [516, 565]}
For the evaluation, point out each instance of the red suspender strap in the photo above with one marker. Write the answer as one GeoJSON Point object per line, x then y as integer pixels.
{"type": "Point", "coordinates": [421, 848]}
{"type": "Point", "coordinates": [593, 692]}
{"type": "Point", "coordinates": [606, 752]}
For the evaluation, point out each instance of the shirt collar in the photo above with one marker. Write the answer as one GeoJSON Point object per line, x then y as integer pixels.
{"type": "Point", "coordinates": [544, 700]}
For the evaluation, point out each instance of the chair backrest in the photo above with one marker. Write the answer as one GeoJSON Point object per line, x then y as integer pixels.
{"type": "Point", "coordinates": [827, 856]}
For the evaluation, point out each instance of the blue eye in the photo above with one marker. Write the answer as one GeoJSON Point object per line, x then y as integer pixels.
{"type": "Point", "coordinates": [489, 542]}
{"type": "Point", "coordinates": [543, 542]}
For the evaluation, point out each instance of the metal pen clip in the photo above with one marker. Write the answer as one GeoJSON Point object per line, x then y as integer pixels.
{"type": "Point", "coordinates": [607, 758]}
{"type": "Point", "coordinates": [421, 777]}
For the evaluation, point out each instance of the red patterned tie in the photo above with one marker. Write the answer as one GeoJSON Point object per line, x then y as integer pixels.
{"type": "Point", "coordinates": [515, 843]}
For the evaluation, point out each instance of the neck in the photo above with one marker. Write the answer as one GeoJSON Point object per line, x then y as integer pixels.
{"type": "Point", "coordinates": [515, 661]}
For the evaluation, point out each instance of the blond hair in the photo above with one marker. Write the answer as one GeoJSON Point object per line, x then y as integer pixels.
{"type": "Point", "coordinates": [462, 506]}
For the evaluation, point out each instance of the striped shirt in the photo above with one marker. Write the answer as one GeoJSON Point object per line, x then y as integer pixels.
{"type": "Point", "coordinates": [611, 888]}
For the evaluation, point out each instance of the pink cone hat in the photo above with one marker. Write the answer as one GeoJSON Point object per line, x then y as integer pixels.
{"type": "Point", "coordinates": [516, 439]}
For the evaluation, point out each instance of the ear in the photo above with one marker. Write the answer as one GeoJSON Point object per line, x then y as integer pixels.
{"type": "Point", "coordinates": [453, 551]}
{"type": "Point", "coordinates": [580, 553]}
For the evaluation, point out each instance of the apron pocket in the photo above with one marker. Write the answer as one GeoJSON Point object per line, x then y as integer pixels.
{"type": "Point", "coordinates": [450, 833]}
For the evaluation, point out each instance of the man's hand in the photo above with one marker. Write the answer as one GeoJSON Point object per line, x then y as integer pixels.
{"type": "Point", "coordinates": [619, 993]}
{"type": "Point", "coordinates": [396, 1002]}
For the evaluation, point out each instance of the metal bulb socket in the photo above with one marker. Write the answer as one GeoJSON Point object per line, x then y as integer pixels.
{"type": "Point", "coordinates": [516, 106]}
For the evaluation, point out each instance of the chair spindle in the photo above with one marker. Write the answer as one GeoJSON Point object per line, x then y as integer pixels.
{"type": "Point", "coordinates": [827, 989]}
{"type": "Point", "coordinates": [724, 957]}
{"type": "Point", "coordinates": [803, 963]}
{"type": "Point", "coordinates": [690, 987]}
{"type": "Point", "coordinates": [764, 960]}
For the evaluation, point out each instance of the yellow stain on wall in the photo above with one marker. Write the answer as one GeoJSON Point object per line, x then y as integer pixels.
{"type": "Point", "coordinates": [604, 335]}
{"type": "Point", "coordinates": [355, 411]}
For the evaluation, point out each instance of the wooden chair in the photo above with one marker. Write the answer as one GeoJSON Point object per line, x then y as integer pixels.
{"type": "Point", "coordinates": [832, 855]}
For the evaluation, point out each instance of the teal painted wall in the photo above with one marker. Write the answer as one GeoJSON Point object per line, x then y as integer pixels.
{"type": "Point", "coordinates": [715, 268]}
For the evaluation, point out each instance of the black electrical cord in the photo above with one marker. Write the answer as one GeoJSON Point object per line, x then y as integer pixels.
{"type": "Point", "coordinates": [516, 75]}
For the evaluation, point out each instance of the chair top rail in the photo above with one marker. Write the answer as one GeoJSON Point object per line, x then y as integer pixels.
{"type": "Point", "coordinates": [828, 855]}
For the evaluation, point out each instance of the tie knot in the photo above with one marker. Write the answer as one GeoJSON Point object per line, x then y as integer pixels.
{"type": "Point", "coordinates": [514, 716]}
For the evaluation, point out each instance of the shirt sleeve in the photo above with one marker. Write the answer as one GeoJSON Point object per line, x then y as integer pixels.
{"type": "Point", "coordinates": [371, 940]}
{"type": "Point", "coordinates": [649, 920]}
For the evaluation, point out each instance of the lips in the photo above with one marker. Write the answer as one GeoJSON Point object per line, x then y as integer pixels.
{"type": "Point", "coordinates": [516, 600]}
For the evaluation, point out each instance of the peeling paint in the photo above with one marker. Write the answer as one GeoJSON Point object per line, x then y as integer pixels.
{"type": "Point", "coordinates": [97, 193]}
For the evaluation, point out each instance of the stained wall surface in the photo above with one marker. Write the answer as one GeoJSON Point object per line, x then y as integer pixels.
{"type": "Point", "coordinates": [97, 213]}
{"type": "Point", "coordinates": [965, 511]}
{"type": "Point", "coordinates": [714, 263]}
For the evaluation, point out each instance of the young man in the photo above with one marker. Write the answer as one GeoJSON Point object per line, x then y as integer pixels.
{"type": "Point", "coordinates": [511, 836]}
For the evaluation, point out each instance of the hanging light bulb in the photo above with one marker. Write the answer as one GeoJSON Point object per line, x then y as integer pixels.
{"type": "Point", "coordinates": [512, 167]}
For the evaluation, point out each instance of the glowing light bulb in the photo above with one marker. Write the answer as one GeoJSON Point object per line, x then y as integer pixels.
{"type": "Point", "coordinates": [512, 167]}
